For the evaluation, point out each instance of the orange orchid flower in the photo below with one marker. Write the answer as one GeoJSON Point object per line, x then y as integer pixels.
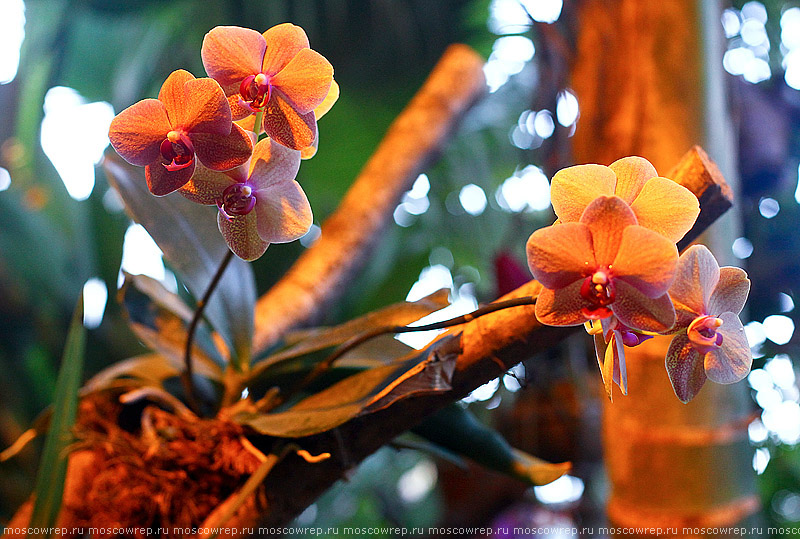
{"type": "Point", "coordinates": [191, 117]}
{"type": "Point", "coordinates": [275, 73]}
{"type": "Point", "coordinates": [605, 264]}
{"type": "Point", "coordinates": [710, 341]}
{"type": "Point", "coordinates": [259, 202]}
{"type": "Point", "coordinates": [659, 203]}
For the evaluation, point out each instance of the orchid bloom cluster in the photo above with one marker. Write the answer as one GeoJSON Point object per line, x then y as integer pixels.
{"type": "Point", "coordinates": [610, 262]}
{"type": "Point", "coordinates": [201, 136]}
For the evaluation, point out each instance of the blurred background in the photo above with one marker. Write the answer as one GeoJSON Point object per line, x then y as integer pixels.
{"type": "Point", "coordinates": [67, 67]}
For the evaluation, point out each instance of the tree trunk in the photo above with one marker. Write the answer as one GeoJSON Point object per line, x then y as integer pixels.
{"type": "Point", "coordinates": [640, 80]}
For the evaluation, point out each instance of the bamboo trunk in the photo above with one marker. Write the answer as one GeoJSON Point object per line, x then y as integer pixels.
{"type": "Point", "coordinates": [639, 78]}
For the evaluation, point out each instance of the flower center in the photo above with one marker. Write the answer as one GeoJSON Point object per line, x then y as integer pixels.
{"type": "Point", "coordinates": [255, 92]}
{"type": "Point", "coordinates": [237, 199]}
{"type": "Point", "coordinates": [703, 333]}
{"type": "Point", "coordinates": [178, 150]}
{"type": "Point", "coordinates": [598, 290]}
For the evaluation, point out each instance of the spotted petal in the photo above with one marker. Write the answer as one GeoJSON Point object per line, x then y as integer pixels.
{"type": "Point", "coordinates": [137, 132]}
{"type": "Point", "coordinates": [223, 152]}
{"type": "Point", "coordinates": [560, 254]}
{"type": "Point", "coordinates": [230, 54]}
{"type": "Point", "coordinates": [696, 276]}
{"type": "Point", "coordinates": [685, 368]}
{"type": "Point", "coordinates": [241, 234]}
{"type": "Point", "coordinates": [285, 125]}
{"type": "Point", "coordinates": [162, 182]}
{"type": "Point", "coordinates": [283, 212]}
{"type": "Point", "coordinates": [305, 81]}
{"type": "Point", "coordinates": [640, 312]}
{"type": "Point", "coordinates": [561, 307]}
{"type": "Point", "coordinates": [207, 186]}
{"type": "Point", "coordinates": [732, 361]}
{"type": "Point", "coordinates": [632, 173]}
{"type": "Point", "coordinates": [283, 41]}
{"type": "Point", "coordinates": [607, 217]}
{"type": "Point", "coordinates": [666, 207]}
{"type": "Point", "coordinates": [731, 291]}
{"type": "Point", "coordinates": [646, 260]}
{"type": "Point", "coordinates": [574, 188]}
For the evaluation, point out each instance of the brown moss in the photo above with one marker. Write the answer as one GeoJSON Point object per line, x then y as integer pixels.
{"type": "Point", "coordinates": [162, 471]}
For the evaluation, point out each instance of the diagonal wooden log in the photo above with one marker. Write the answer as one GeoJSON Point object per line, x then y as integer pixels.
{"type": "Point", "coordinates": [489, 346]}
{"type": "Point", "coordinates": [412, 142]}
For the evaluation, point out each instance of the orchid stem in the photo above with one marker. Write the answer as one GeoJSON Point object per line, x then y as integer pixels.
{"type": "Point", "coordinates": [186, 377]}
{"type": "Point", "coordinates": [383, 330]}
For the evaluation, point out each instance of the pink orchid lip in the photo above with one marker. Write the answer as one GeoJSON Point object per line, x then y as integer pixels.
{"type": "Point", "coordinates": [598, 289]}
{"type": "Point", "coordinates": [255, 91]}
{"type": "Point", "coordinates": [703, 335]}
{"type": "Point", "coordinates": [237, 199]}
{"type": "Point", "coordinates": [633, 338]}
{"type": "Point", "coordinates": [178, 149]}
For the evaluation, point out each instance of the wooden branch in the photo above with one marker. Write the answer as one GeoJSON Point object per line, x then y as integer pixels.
{"type": "Point", "coordinates": [489, 346]}
{"type": "Point", "coordinates": [412, 142]}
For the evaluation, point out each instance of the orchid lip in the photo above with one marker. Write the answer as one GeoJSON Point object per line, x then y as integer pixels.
{"type": "Point", "coordinates": [703, 334]}
{"type": "Point", "coordinates": [237, 199]}
{"type": "Point", "coordinates": [177, 148]}
{"type": "Point", "coordinates": [255, 92]}
{"type": "Point", "coordinates": [598, 289]}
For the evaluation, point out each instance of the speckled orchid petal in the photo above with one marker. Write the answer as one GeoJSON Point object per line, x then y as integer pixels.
{"type": "Point", "coordinates": [285, 125]}
{"type": "Point", "coordinates": [561, 307]}
{"type": "Point", "coordinates": [731, 291]}
{"type": "Point", "coordinates": [666, 207]}
{"type": "Point", "coordinates": [206, 108]}
{"type": "Point", "coordinates": [640, 312]}
{"type": "Point", "coordinates": [272, 163]}
{"type": "Point", "coordinates": [207, 186]}
{"type": "Point", "coordinates": [240, 113]}
{"type": "Point", "coordinates": [696, 275]}
{"type": "Point", "coordinates": [574, 188]}
{"type": "Point", "coordinates": [730, 362]}
{"type": "Point", "coordinates": [685, 368]}
{"type": "Point", "coordinates": [305, 80]}
{"type": "Point", "coordinates": [173, 95]}
{"type": "Point", "coordinates": [283, 41]}
{"type": "Point", "coordinates": [632, 174]}
{"type": "Point", "coordinates": [230, 54]}
{"type": "Point", "coordinates": [137, 132]}
{"type": "Point", "coordinates": [241, 234]}
{"type": "Point", "coordinates": [561, 254]}
{"type": "Point", "coordinates": [162, 182]}
{"type": "Point", "coordinates": [646, 260]}
{"type": "Point", "coordinates": [223, 152]}
{"type": "Point", "coordinates": [607, 217]}
{"type": "Point", "coordinates": [283, 212]}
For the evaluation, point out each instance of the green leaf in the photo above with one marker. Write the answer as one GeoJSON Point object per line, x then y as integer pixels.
{"type": "Point", "coordinates": [53, 467]}
{"type": "Point", "coordinates": [455, 428]}
{"type": "Point", "coordinates": [187, 234]}
{"type": "Point", "coordinates": [313, 340]}
{"type": "Point", "coordinates": [427, 371]}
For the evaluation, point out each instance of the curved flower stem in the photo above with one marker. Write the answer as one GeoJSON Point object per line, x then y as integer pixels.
{"type": "Point", "coordinates": [358, 340]}
{"type": "Point", "coordinates": [186, 376]}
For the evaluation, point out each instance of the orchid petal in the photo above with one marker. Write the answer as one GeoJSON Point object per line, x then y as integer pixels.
{"type": "Point", "coordinates": [223, 152]}
{"type": "Point", "coordinates": [731, 291]}
{"type": "Point", "coordinates": [574, 188]}
{"type": "Point", "coordinates": [620, 369]}
{"type": "Point", "coordinates": [283, 212]}
{"type": "Point", "coordinates": [305, 81]}
{"type": "Point", "coordinates": [732, 360]}
{"type": "Point", "coordinates": [241, 234]}
{"type": "Point", "coordinates": [605, 359]}
{"type": "Point", "coordinates": [561, 307]}
{"type": "Point", "coordinates": [137, 132]}
{"type": "Point", "coordinates": [162, 182]}
{"type": "Point", "coordinates": [206, 185]}
{"type": "Point", "coordinates": [206, 108]}
{"type": "Point", "coordinates": [560, 254]}
{"type": "Point", "coordinates": [640, 312]}
{"type": "Point", "coordinates": [230, 54]}
{"type": "Point", "coordinates": [173, 95]}
{"type": "Point", "coordinates": [283, 41]}
{"type": "Point", "coordinates": [607, 217]}
{"type": "Point", "coordinates": [310, 151]}
{"type": "Point", "coordinates": [272, 163]}
{"type": "Point", "coordinates": [646, 260]}
{"type": "Point", "coordinates": [333, 96]}
{"type": "Point", "coordinates": [632, 173]}
{"type": "Point", "coordinates": [666, 207]}
{"type": "Point", "coordinates": [685, 368]}
{"type": "Point", "coordinates": [696, 276]}
{"type": "Point", "coordinates": [285, 125]}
